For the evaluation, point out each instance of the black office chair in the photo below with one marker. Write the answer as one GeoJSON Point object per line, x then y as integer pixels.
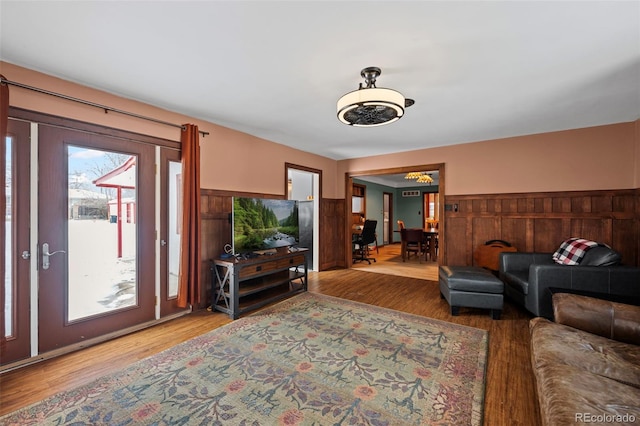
{"type": "Point", "coordinates": [362, 241]}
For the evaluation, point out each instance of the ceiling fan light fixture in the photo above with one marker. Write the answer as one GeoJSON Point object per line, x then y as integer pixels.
{"type": "Point", "coordinates": [371, 106]}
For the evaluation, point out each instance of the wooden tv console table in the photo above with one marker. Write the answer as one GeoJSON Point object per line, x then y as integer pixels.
{"type": "Point", "coordinates": [239, 286]}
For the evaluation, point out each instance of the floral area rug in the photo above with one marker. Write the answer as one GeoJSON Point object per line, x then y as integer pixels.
{"type": "Point", "coordinates": [309, 360]}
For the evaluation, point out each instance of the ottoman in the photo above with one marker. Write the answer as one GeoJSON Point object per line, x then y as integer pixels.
{"type": "Point", "coordinates": [471, 287]}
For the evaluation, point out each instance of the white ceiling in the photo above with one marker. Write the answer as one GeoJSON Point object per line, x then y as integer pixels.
{"type": "Point", "coordinates": [477, 70]}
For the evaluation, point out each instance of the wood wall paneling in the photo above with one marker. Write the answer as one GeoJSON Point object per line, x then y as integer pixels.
{"type": "Point", "coordinates": [216, 232]}
{"type": "Point", "coordinates": [515, 231]}
{"type": "Point", "coordinates": [483, 228]}
{"type": "Point", "coordinates": [456, 237]}
{"type": "Point", "coordinates": [531, 222]}
{"type": "Point", "coordinates": [541, 221]}
{"type": "Point", "coordinates": [548, 233]}
{"type": "Point", "coordinates": [332, 237]}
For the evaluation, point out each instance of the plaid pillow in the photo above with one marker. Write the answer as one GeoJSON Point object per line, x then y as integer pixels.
{"type": "Point", "coordinates": [572, 251]}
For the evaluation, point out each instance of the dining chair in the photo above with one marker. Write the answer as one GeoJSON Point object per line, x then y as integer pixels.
{"type": "Point", "coordinates": [412, 242]}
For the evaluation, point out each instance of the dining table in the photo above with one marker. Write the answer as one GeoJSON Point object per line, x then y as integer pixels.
{"type": "Point", "coordinates": [430, 237]}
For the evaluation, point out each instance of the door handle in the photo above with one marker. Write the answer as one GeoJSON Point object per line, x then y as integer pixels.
{"type": "Point", "coordinates": [46, 254]}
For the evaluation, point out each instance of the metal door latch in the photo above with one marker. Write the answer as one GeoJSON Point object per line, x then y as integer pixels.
{"type": "Point", "coordinates": [46, 255]}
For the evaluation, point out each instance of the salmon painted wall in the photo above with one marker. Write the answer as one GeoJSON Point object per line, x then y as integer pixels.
{"type": "Point", "coordinates": [595, 158]}
{"type": "Point", "coordinates": [608, 155]}
{"type": "Point", "coordinates": [231, 160]}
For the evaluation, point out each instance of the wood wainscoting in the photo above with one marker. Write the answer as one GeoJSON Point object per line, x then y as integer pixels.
{"type": "Point", "coordinates": [332, 234]}
{"type": "Point", "coordinates": [531, 222]}
{"type": "Point", "coordinates": [541, 221]}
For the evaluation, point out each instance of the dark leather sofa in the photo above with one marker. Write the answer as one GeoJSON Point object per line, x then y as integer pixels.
{"type": "Point", "coordinates": [587, 363]}
{"type": "Point", "coordinates": [529, 278]}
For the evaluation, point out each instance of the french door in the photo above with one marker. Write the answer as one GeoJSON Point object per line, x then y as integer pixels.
{"type": "Point", "coordinates": [96, 236]}
{"type": "Point", "coordinates": [82, 259]}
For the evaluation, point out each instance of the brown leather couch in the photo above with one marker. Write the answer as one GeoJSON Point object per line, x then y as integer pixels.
{"type": "Point", "coordinates": [587, 363]}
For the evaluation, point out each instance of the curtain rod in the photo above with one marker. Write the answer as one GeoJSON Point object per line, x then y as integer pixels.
{"type": "Point", "coordinates": [93, 104]}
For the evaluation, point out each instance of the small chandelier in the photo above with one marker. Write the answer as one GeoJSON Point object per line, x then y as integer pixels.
{"type": "Point", "coordinates": [425, 179]}
{"type": "Point", "coordinates": [371, 106]}
{"type": "Point", "coordinates": [420, 177]}
{"type": "Point", "coordinates": [413, 175]}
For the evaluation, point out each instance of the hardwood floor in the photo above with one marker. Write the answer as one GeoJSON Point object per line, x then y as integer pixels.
{"type": "Point", "coordinates": [510, 397]}
{"type": "Point", "coordinates": [389, 261]}
{"type": "Point", "coordinates": [510, 392]}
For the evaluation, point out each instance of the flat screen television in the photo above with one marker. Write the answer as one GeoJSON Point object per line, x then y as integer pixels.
{"type": "Point", "coordinates": [264, 223]}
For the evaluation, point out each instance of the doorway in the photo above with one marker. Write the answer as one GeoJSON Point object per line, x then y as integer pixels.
{"type": "Point", "coordinates": [387, 214]}
{"type": "Point", "coordinates": [394, 180]}
{"type": "Point", "coordinates": [303, 184]}
{"type": "Point", "coordinates": [431, 209]}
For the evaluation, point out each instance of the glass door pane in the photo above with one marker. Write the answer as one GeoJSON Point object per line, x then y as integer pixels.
{"type": "Point", "coordinates": [16, 326]}
{"type": "Point", "coordinates": [102, 232]}
{"type": "Point", "coordinates": [175, 217]}
{"type": "Point", "coordinates": [8, 245]}
{"type": "Point", "coordinates": [170, 224]}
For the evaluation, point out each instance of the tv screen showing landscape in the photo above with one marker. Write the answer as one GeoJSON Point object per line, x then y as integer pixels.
{"type": "Point", "coordinates": [263, 223]}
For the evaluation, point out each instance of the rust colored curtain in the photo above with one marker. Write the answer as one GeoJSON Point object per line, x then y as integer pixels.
{"type": "Point", "coordinates": [189, 273]}
{"type": "Point", "coordinates": [4, 121]}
